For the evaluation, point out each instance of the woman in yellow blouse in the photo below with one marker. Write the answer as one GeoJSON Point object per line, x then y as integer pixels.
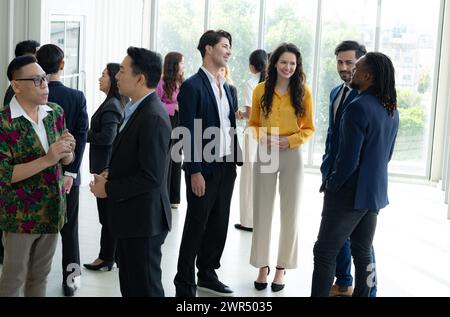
{"type": "Point", "coordinates": [282, 114]}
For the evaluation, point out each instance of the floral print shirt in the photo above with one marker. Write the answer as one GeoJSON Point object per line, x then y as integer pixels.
{"type": "Point", "coordinates": [36, 205]}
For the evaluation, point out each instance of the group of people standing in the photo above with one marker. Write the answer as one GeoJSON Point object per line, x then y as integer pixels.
{"type": "Point", "coordinates": [137, 183]}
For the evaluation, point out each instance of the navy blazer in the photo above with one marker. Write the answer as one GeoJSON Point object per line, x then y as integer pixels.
{"type": "Point", "coordinates": [103, 131]}
{"type": "Point", "coordinates": [138, 199]}
{"type": "Point", "coordinates": [74, 104]}
{"type": "Point", "coordinates": [197, 101]}
{"type": "Point", "coordinates": [366, 143]}
{"type": "Point", "coordinates": [332, 141]}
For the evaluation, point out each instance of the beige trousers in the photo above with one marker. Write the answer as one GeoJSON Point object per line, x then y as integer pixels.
{"type": "Point", "coordinates": [290, 174]}
{"type": "Point", "coordinates": [27, 262]}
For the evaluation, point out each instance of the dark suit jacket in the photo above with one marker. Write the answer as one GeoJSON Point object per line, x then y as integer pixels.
{"type": "Point", "coordinates": [366, 142]}
{"type": "Point", "coordinates": [197, 101]}
{"type": "Point", "coordinates": [138, 201]}
{"type": "Point", "coordinates": [74, 104]}
{"type": "Point", "coordinates": [332, 142]}
{"type": "Point", "coordinates": [103, 131]}
{"type": "Point", "coordinates": [9, 94]}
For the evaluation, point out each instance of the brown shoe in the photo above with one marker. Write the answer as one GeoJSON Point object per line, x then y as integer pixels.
{"type": "Point", "coordinates": [340, 291]}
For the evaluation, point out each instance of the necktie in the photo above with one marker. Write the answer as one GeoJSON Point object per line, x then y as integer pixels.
{"type": "Point", "coordinates": [344, 94]}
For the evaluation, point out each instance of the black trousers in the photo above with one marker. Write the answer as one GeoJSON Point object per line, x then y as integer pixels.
{"type": "Point", "coordinates": [140, 266]}
{"type": "Point", "coordinates": [337, 225]}
{"type": "Point", "coordinates": [108, 243]}
{"type": "Point", "coordinates": [174, 175]}
{"type": "Point", "coordinates": [205, 230]}
{"type": "Point", "coordinates": [69, 234]}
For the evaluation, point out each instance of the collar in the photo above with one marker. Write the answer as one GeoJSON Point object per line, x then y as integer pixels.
{"type": "Point", "coordinates": [55, 83]}
{"type": "Point", "coordinates": [346, 85]}
{"type": "Point", "coordinates": [17, 110]}
{"type": "Point", "coordinates": [132, 106]}
{"type": "Point", "coordinates": [212, 78]}
{"type": "Point", "coordinates": [256, 76]}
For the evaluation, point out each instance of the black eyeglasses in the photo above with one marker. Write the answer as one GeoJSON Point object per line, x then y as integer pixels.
{"type": "Point", "coordinates": [37, 80]}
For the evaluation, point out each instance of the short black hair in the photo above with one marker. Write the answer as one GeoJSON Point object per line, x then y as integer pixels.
{"type": "Point", "coordinates": [147, 63]}
{"type": "Point", "coordinates": [17, 63]}
{"type": "Point", "coordinates": [212, 38]}
{"type": "Point", "coordinates": [359, 49]}
{"type": "Point", "coordinates": [50, 57]}
{"type": "Point", "coordinates": [26, 47]}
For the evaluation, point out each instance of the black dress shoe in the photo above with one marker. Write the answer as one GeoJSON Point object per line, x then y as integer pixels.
{"type": "Point", "coordinates": [1, 259]}
{"type": "Point", "coordinates": [107, 264]}
{"type": "Point", "coordinates": [241, 227]}
{"type": "Point", "coordinates": [215, 287]}
{"type": "Point", "coordinates": [68, 290]}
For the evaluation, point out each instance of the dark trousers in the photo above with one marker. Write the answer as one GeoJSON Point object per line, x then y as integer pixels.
{"type": "Point", "coordinates": [140, 266]}
{"type": "Point", "coordinates": [69, 234]}
{"type": "Point", "coordinates": [343, 268]}
{"type": "Point", "coordinates": [174, 175]}
{"type": "Point", "coordinates": [205, 230]}
{"type": "Point", "coordinates": [108, 243]}
{"type": "Point", "coordinates": [337, 225]}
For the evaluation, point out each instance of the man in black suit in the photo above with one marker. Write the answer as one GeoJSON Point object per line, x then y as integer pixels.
{"type": "Point", "coordinates": [206, 103]}
{"type": "Point", "coordinates": [136, 181]}
{"type": "Point", "coordinates": [28, 47]}
{"type": "Point", "coordinates": [51, 59]}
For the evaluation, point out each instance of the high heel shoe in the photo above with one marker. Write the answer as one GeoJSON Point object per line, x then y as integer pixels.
{"type": "Point", "coordinates": [107, 264]}
{"type": "Point", "coordinates": [278, 287]}
{"type": "Point", "coordinates": [260, 286]}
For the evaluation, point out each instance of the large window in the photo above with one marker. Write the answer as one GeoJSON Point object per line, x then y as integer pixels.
{"type": "Point", "coordinates": [292, 21]}
{"type": "Point", "coordinates": [66, 33]}
{"type": "Point", "coordinates": [235, 16]}
{"type": "Point", "coordinates": [341, 20]}
{"type": "Point", "coordinates": [390, 27]}
{"type": "Point", "coordinates": [412, 48]}
{"type": "Point", "coordinates": [180, 25]}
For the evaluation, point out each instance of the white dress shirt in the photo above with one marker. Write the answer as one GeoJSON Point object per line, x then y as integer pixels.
{"type": "Point", "coordinates": [224, 113]}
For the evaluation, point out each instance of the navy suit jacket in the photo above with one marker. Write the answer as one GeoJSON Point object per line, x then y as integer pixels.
{"type": "Point", "coordinates": [332, 142]}
{"type": "Point", "coordinates": [366, 143]}
{"type": "Point", "coordinates": [74, 104]}
{"type": "Point", "coordinates": [138, 199]}
{"type": "Point", "coordinates": [197, 101]}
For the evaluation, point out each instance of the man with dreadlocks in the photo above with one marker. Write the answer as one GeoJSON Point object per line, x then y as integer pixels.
{"type": "Point", "coordinates": [356, 189]}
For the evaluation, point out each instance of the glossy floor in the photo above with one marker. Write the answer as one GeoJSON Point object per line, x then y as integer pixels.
{"type": "Point", "coordinates": [412, 246]}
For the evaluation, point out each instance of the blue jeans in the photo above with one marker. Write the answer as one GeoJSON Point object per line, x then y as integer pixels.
{"type": "Point", "coordinates": [337, 226]}
{"type": "Point", "coordinates": [343, 268]}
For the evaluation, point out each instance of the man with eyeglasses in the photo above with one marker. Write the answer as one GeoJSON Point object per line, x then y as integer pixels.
{"type": "Point", "coordinates": [28, 47]}
{"type": "Point", "coordinates": [34, 145]}
{"type": "Point", "coordinates": [51, 58]}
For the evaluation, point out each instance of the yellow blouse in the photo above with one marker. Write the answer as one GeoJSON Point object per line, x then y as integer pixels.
{"type": "Point", "coordinates": [297, 129]}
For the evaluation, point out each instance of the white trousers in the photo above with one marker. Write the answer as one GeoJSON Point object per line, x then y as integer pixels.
{"type": "Point", "coordinates": [249, 147]}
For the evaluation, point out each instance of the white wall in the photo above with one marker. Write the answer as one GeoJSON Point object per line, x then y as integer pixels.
{"type": "Point", "coordinates": [111, 26]}
{"type": "Point", "coordinates": [19, 20]}
{"type": "Point", "coordinates": [441, 126]}
{"type": "Point", "coordinates": [4, 58]}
